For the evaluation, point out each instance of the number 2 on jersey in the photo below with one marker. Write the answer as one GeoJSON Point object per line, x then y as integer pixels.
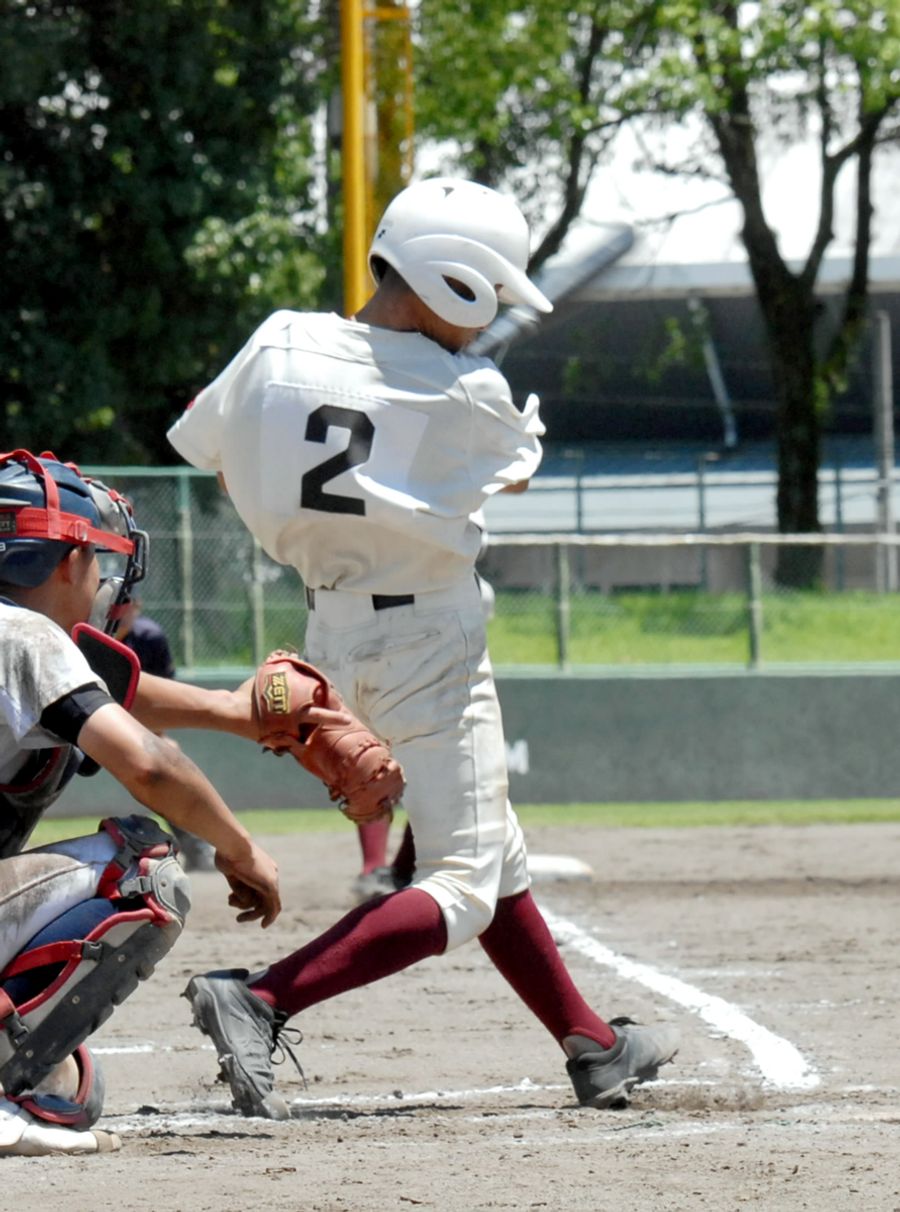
{"type": "Point", "coordinates": [312, 485]}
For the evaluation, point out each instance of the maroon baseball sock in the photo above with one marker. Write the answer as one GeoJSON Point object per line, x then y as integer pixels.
{"type": "Point", "coordinates": [374, 940]}
{"type": "Point", "coordinates": [522, 949]}
{"type": "Point", "coordinates": [373, 836]}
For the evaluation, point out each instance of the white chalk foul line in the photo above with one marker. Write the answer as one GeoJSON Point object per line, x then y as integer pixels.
{"type": "Point", "coordinates": [780, 1063]}
{"type": "Point", "coordinates": [216, 1112]}
{"type": "Point", "coordinates": [137, 1049]}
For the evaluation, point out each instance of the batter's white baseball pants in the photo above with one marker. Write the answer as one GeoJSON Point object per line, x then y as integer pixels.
{"type": "Point", "coordinates": [419, 676]}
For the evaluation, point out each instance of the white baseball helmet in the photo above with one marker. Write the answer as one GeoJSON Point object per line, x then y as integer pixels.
{"type": "Point", "coordinates": [446, 230]}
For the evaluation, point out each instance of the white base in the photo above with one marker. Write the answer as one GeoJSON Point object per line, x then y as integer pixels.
{"type": "Point", "coordinates": [557, 867]}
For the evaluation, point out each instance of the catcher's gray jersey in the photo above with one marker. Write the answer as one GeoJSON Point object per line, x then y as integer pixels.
{"type": "Point", "coordinates": [39, 664]}
{"type": "Point", "coordinates": [360, 455]}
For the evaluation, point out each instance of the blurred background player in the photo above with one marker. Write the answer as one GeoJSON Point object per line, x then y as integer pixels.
{"type": "Point", "coordinates": [150, 644]}
{"type": "Point", "coordinates": [84, 920]}
{"type": "Point", "coordinates": [361, 451]}
{"type": "Point", "coordinates": [377, 876]}
{"type": "Point", "coordinates": [146, 639]}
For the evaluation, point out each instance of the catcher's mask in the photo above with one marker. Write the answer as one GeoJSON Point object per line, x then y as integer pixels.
{"type": "Point", "coordinates": [461, 247]}
{"type": "Point", "coordinates": [47, 508]}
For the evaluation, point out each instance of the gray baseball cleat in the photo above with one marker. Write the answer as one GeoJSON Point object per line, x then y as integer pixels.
{"type": "Point", "coordinates": [605, 1077]}
{"type": "Point", "coordinates": [379, 882]}
{"type": "Point", "coordinates": [245, 1031]}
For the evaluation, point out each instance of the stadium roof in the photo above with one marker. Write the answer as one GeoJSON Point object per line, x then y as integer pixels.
{"type": "Point", "coordinates": [647, 350]}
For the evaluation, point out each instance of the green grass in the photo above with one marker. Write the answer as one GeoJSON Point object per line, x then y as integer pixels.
{"type": "Point", "coordinates": [687, 627]}
{"type": "Point", "coordinates": [724, 814]}
{"type": "Point", "coordinates": [831, 627]}
{"type": "Point", "coordinates": [268, 821]}
{"type": "Point", "coordinates": [640, 628]}
{"type": "Point", "coordinates": [606, 816]}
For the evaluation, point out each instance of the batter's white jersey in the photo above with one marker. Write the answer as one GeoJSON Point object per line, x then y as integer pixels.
{"type": "Point", "coordinates": [360, 455]}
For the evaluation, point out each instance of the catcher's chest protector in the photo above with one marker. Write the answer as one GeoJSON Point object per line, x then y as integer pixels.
{"type": "Point", "coordinates": [40, 781]}
{"type": "Point", "coordinates": [115, 662]}
{"type": "Point", "coordinates": [38, 784]}
{"type": "Point", "coordinates": [66, 981]}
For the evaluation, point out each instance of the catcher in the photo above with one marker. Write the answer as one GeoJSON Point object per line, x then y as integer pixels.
{"type": "Point", "coordinates": [84, 920]}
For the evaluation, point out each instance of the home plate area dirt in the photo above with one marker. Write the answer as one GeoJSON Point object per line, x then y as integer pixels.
{"type": "Point", "coordinates": [773, 949]}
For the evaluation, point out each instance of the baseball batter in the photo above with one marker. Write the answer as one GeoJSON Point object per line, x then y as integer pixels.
{"type": "Point", "coordinates": [361, 451]}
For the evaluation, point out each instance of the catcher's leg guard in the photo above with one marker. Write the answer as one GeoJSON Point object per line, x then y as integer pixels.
{"type": "Point", "coordinates": [66, 981]}
{"type": "Point", "coordinates": [72, 1096]}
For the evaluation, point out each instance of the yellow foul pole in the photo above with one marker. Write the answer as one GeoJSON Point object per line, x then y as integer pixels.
{"type": "Point", "coordinates": [353, 89]}
{"type": "Point", "coordinates": [390, 89]}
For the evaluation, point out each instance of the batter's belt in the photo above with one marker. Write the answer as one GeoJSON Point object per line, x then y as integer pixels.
{"type": "Point", "coordinates": [380, 601]}
{"type": "Point", "coordinates": [348, 608]}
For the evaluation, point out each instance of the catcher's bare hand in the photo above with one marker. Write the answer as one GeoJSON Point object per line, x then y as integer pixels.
{"type": "Point", "coordinates": [298, 711]}
{"type": "Point", "coordinates": [254, 886]}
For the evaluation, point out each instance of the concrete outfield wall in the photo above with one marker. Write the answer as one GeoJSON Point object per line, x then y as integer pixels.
{"type": "Point", "coordinates": [742, 736]}
{"type": "Point", "coordinates": [660, 738]}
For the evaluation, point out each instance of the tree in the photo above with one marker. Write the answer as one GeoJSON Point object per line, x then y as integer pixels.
{"type": "Point", "coordinates": [827, 69]}
{"type": "Point", "coordinates": [526, 96]}
{"type": "Point", "coordinates": [154, 174]}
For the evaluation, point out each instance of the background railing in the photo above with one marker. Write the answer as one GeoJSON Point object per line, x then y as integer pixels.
{"type": "Point", "coordinates": [568, 593]}
{"type": "Point", "coordinates": [686, 600]}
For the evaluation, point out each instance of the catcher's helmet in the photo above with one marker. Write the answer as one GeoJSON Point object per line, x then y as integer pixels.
{"type": "Point", "coordinates": [460, 247]}
{"type": "Point", "coordinates": [47, 508]}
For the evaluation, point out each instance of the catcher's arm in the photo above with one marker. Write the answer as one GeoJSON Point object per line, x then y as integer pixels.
{"type": "Point", "coordinates": [164, 779]}
{"type": "Point", "coordinates": [298, 711]}
{"type": "Point", "coordinates": [163, 703]}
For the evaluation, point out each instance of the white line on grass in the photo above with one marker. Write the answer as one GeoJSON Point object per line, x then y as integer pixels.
{"type": "Point", "coordinates": [780, 1063]}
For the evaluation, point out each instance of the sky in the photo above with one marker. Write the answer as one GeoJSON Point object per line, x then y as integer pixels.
{"type": "Point", "coordinates": [707, 229]}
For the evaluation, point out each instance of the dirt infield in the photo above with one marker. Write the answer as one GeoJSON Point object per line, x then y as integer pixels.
{"type": "Point", "coordinates": [774, 949]}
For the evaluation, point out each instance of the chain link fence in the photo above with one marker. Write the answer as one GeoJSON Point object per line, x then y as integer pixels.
{"type": "Point", "coordinates": [222, 602]}
{"type": "Point", "coordinates": [563, 598]}
{"type": "Point", "coordinates": [687, 600]}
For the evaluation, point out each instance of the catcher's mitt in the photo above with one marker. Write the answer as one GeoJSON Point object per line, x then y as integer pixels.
{"type": "Point", "coordinates": [298, 711]}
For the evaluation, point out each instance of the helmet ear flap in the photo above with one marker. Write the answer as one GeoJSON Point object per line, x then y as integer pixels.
{"type": "Point", "coordinates": [437, 283]}
{"type": "Point", "coordinates": [28, 563]}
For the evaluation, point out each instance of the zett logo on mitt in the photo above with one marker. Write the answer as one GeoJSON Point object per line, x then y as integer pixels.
{"type": "Point", "coordinates": [276, 693]}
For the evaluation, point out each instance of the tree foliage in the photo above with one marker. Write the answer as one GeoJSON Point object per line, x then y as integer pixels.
{"type": "Point", "coordinates": [532, 96]}
{"type": "Point", "coordinates": [827, 71]}
{"type": "Point", "coordinates": [154, 176]}
{"type": "Point", "coordinates": [157, 194]}
{"type": "Point", "coordinates": [526, 95]}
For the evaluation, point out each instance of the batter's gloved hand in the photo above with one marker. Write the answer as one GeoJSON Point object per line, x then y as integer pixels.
{"type": "Point", "coordinates": [298, 711]}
